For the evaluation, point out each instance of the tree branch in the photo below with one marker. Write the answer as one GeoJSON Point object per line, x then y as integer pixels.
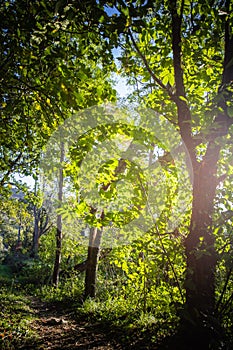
{"type": "Point", "coordinates": [12, 165]}
{"type": "Point", "coordinates": [154, 77]}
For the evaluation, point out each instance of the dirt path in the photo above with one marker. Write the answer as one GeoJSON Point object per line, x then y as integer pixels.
{"type": "Point", "coordinates": [57, 329]}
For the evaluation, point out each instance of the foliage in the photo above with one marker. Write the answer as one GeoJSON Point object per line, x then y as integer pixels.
{"type": "Point", "coordinates": [56, 59]}
{"type": "Point", "coordinates": [16, 221]}
{"type": "Point", "coordinates": [123, 313]}
{"type": "Point", "coordinates": [50, 67]}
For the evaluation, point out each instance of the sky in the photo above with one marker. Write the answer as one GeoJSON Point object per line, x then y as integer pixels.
{"type": "Point", "coordinates": [121, 86]}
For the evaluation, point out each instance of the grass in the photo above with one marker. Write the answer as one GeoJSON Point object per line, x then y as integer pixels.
{"type": "Point", "coordinates": [15, 318]}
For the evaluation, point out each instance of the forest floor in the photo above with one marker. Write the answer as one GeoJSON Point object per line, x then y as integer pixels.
{"type": "Point", "coordinates": [57, 327]}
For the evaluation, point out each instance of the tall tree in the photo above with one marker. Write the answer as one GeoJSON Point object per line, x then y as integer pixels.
{"type": "Point", "coordinates": [59, 219]}
{"type": "Point", "coordinates": [181, 53]}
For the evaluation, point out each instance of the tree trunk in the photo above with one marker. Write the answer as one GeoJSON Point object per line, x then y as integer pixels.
{"type": "Point", "coordinates": [35, 244]}
{"type": "Point", "coordinates": [199, 245]}
{"type": "Point", "coordinates": [92, 262]}
{"type": "Point", "coordinates": [36, 213]}
{"type": "Point", "coordinates": [57, 261]}
{"type": "Point", "coordinates": [59, 223]}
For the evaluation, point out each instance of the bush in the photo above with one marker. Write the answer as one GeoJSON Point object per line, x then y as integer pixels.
{"type": "Point", "coordinates": [35, 272]}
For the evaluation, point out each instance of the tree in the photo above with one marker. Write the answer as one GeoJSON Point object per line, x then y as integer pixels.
{"type": "Point", "coordinates": [178, 53]}
{"type": "Point", "coordinates": [16, 222]}
{"type": "Point", "coordinates": [181, 53]}
{"type": "Point", "coordinates": [111, 190]}
{"type": "Point", "coordinates": [52, 67]}
{"type": "Point", "coordinates": [59, 219]}
{"type": "Point", "coordinates": [46, 61]}
{"type": "Point", "coordinates": [41, 225]}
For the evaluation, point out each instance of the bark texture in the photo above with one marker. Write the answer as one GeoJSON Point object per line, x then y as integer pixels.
{"type": "Point", "coordinates": [92, 262]}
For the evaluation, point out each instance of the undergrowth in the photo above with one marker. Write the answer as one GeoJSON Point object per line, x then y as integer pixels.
{"type": "Point", "coordinates": [120, 313]}
{"type": "Point", "coordinates": [15, 318]}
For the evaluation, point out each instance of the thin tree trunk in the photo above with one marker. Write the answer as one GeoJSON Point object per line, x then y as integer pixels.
{"type": "Point", "coordinates": [92, 262]}
{"type": "Point", "coordinates": [94, 246]}
{"type": "Point", "coordinates": [35, 243]}
{"type": "Point", "coordinates": [35, 246]}
{"type": "Point", "coordinates": [57, 261]}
